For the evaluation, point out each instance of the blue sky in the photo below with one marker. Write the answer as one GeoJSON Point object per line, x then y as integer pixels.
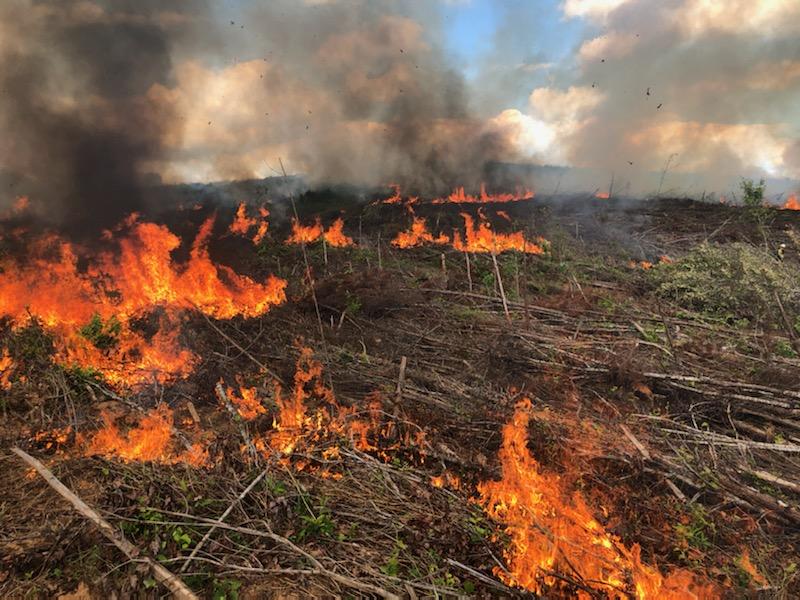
{"type": "Point", "coordinates": [471, 28]}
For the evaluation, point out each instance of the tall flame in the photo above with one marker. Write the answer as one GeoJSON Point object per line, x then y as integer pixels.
{"type": "Point", "coordinates": [551, 531]}
{"type": "Point", "coordinates": [122, 286]}
{"type": "Point", "coordinates": [481, 238]}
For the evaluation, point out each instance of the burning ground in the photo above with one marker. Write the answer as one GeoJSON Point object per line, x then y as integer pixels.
{"type": "Point", "coordinates": [480, 394]}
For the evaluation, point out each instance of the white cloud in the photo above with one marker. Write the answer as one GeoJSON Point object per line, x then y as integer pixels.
{"type": "Point", "coordinates": [697, 17]}
{"type": "Point", "coordinates": [592, 9]}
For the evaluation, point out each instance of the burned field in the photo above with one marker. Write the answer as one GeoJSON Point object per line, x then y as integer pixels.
{"type": "Point", "coordinates": [488, 397]}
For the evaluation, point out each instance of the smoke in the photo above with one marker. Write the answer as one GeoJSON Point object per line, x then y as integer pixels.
{"type": "Point", "coordinates": [76, 121]}
{"type": "Point", "coordinates": [101, 98]}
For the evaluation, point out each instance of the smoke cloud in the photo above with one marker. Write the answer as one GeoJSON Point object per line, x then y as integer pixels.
{"type": "Point", "coordinates": [103, 97]}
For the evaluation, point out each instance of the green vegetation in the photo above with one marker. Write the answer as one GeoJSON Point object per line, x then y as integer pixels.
{"type": "Point", "coordinates": [102, 335]}
{"type": "Point", "coordinates": [732, 282]}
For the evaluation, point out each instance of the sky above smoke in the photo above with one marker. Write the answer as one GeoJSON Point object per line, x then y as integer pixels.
{"type": "Point", "coordinates": [100, 97]}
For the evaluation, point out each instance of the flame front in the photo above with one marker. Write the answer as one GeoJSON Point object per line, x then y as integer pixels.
{"type": "Point", "coordinates": [552, 532]}
{"type": "Point", "coordinates": [122, 286]}
{"type": "Point", "coordinates": [459, 196]}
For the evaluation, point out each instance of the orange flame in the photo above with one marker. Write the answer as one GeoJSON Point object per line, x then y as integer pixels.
{"type": "Point", "coordinates": [242, 224]}
{"type": "Point", "coordinates": [792, 203]}
{"type": "Point", "coordinates": [246, 402]}
{"type": "Point", "coordinates": [305, 234]}
{"type": "Point", "coordinates": [418, 234]}
{"type": "Point", "coordinates": [551, 531]}
{"type": "Point", "coordinates": [6, 369]}
{"type": "Point", "coordinates": [123, 286]}
{"type": "Point", "coordinates": [335, 235]}
{"type": "Point", "coordinates": [748, 567]}
{"type": "Point", "coordinates": [299, 424]}
{"type": "Point", "coordinates": [602, 195]}
{"type": "Point", "coordinates": [150, 441]}
{"type": "Point", "coordinates": [459, 196]}
{"type": "Point", "coordinates": [481, 238]}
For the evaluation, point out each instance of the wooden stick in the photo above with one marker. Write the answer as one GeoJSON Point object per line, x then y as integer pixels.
{"type": "Point", "coordinates": [500, 286]}
{"type": "Point", "coordinates": [168, 579]}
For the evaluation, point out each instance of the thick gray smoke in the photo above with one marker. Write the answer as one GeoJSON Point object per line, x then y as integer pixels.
{"type": "Point", "coordinates": [77, 124]}
{"type": "Point", "coordinates": [100, 95]}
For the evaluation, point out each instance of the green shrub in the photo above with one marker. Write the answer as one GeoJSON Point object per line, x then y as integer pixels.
{"type": "Point", "coordinates": [730, 282]}
{"type": "Point", "coordinates": [103, 335]}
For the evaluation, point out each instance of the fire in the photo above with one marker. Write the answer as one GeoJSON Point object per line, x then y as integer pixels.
{"type": "Point", "coordinates": [446, 479]}
{"type": "Point", "coordinates": [6, 369]}
{"type": "Point", "coordinates": [792, 203]}
{"type": "Point", "coordinates": [246, 402]}
{"type": "Point", "coordinates": [309, 417]}
{"type": "Point", "coordinates": [307, 234]}
{"type": "Point", "coordinates": [150, 441]}
{"type": "Point", "coordinates": [459, 196]}
{"type": "Point", "coordinates": [335, 235]}
{"type": "Point", "coordinates": [91, 309]}
{"type": "Point", "coordinates": [418, 234]}
{"type": "Point", "coordinates": [242, 224]}
{"type": "Point", "coordinates": [602, 195]}
{"type": "Point", "coordinates": [747, 566]}
{"type": "Point", "coordinates": [552, 531]}
{"type": "Point", "coordinates": [481, 238]}
{"type": "Point", "coordinates": [478, 237]}
{"type": "Point", "coordinates": [396, 197]}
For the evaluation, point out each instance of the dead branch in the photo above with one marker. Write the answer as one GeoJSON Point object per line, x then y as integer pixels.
{"type": "Point", "coordinates": [162, 575]}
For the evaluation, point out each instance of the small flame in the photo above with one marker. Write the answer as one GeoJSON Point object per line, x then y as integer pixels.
{"type": "Point", "coordinates": [335, 235]}
{"type": "Point", "coordinates": [602, 195]}
{"type": "Point", "coordinates": [242, 224]}
{"type": "Point", "coordinates": [308, 234]}
{"type": "Point", "coordinates": [551, 531]}
{"type": "Point", "coordinates": [150, 441]}
{"type": "Point", "coordinates": [748, 567]}
{"type": "Point", "coordinates": [6, 369]}
{"type": "Point", "coordinates": [459, 196]}
{"type": "Point", "coordinates": [418, 234]}
{"type": "Point", "coordinates": [246, 402]}
{"type": "Point", "coordinates": [792, 203]}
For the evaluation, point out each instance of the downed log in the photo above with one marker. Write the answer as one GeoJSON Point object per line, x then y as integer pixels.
{"type": "Point", "coordinates": [162, 575]}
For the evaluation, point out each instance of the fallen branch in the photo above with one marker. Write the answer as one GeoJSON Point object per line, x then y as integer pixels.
{"type": "Point", "coordinates": [162, 575]}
